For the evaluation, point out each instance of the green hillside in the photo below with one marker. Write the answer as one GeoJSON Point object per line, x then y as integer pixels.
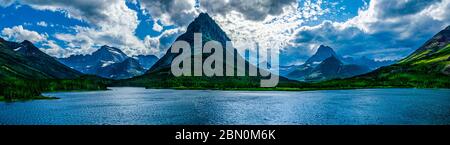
{"type": "Point", "coordinates": [26, 72]}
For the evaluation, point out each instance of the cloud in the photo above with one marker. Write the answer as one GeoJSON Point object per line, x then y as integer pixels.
{"type": "Point", "coordinates": [42, 23]}
{"type": "Point", "coordinates": [163, 41]}
{"type": "Point", "coordinates": [157, 27]}
{"type": "Point", "coordinates": [18, 33]}
{"type": "Point", "coordinates": [6, 3]}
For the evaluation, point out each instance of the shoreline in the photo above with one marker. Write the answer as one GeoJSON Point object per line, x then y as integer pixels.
{"type": "Point", "coordinates": [3, 99]}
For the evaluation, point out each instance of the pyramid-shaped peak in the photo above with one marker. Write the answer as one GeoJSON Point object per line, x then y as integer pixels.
{"type": "Point", "coordinates": [325, 48]}
{"type": "Point", "coordinates": [29, 46]}
{"type": "Point", "coordinates": [26, 42]}
{"type": "Point", "coordinates": [202, 22]}
{"type": "Point", "coordinates": [108, 47]}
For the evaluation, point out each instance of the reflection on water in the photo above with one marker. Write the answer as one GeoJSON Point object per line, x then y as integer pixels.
{"type": "Point", "coordinates": [161, 106]}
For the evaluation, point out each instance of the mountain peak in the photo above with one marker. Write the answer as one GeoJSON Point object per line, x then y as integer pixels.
{"type": "Point", "coordinates": [26, 43]}
{"type": "Point", "coordinates": [105, 49]}
{"type": "Point", "coordinates": [209, 29]}
{"type": "Point", "coordinates": [28, 48]}
{"type": "Point", "coordinates": [322, 53]}
{"type": "Point", "coordinates": [438, 41]}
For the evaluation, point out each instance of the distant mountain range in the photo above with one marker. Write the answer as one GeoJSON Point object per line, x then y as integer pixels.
{"type": "Point", "coordinates": [325, 64]}
{"type": "Point", "coordinates": [146, 61]}
{"type": "Point", "coordinates": [25, 61]}
{"type": "Point", "coordinates": [110, 62]}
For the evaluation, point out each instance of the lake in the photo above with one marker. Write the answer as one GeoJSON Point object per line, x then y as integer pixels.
{"type": "Point", "coordinates": [136, 106]}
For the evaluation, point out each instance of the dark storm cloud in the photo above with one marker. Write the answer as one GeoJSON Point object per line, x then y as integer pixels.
{"type": "Point", "coordinates": [395, 8]}
{"type": "Point", "coordinates": [251, 9]}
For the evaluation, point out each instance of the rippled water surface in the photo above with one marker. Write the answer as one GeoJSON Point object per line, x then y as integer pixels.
{"type": "Point", "coordinates": [161, 106]}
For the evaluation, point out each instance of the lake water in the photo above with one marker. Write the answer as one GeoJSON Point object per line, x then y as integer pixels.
{"type": "Point", "coordinates": [180, 107]}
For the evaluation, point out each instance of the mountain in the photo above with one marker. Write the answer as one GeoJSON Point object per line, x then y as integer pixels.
{"type": "Point", "coordinates": [160, 75]}
{"type": "Point", "coordinates": [332, 68]}
{"type": "Point", "coordinates": [427, 67]}
{"type": "Point", "coordinates": [146, 61]}
{"type": "Point", "coordinates": [126, 69]}
{"type": "Point", "coordinates": [322, 53]}
{"type": "Point", "coordinates": [25, 61]}
{"type": "Point", "coordinates": [92, 63]}
{"type": "Point", "coordinates": [314, 68]}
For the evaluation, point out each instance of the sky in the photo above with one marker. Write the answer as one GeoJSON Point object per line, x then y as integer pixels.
{"type": "Point", "coordinates": [377, 29]}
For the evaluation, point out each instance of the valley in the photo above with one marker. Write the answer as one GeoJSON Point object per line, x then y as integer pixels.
{"type": "Point", "coordinates": [26, 71]}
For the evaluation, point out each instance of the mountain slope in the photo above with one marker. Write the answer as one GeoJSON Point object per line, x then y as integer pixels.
{"type": "Point", "coordinates": [25, 61]}
{"type": "Point", "coordinates": [322, 53]}
{"type": "Point", "coordinates": [128, 68]}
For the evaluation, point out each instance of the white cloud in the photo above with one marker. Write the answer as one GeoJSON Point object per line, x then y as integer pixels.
{"type": "Point", "coordinates": [18, 33]}
{"type": "Point", "coordinates": [157, 27]}
{"type": "Point", "coordinates": [42, 23]}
